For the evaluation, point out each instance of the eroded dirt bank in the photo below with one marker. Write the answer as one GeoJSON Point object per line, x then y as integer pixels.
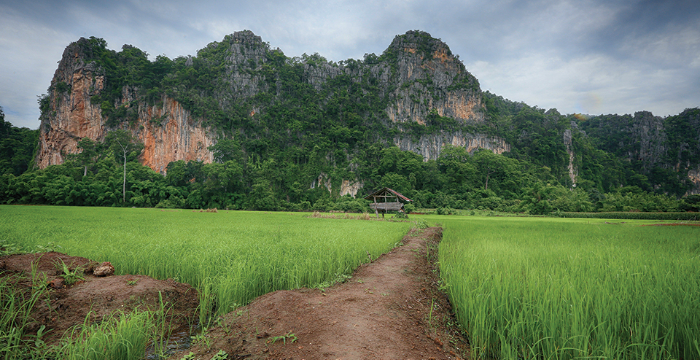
{"type": "Point", "coordinates": [65, 306]}
{"type": "Point", "coordinates": [389, 309]}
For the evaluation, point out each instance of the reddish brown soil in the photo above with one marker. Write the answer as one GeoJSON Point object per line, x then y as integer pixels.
{"type": "Point", "coordinates": [382, 312]}
{"type": "Point", "coordinates": [68, 306]}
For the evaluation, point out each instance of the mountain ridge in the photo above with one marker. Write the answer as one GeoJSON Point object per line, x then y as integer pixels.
{"type": "Point", "coordinates": [416, 95]}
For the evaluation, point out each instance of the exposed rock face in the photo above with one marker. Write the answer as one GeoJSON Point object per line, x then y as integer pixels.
{"type": "Point", "coordinates": [347, 187]}
{"type": "Point", "coordinates": [648, 131]}
{"type": "Point", "coordinates": [429, 77]}
{"type": "Point", "coordinates": [652, 141]}
{"type": "Point", "coordinates": [573, 172]}
{"type": "Point", "coordinates": [178, 137]}
{"type": "Point", "coordinates": [420, 76]}
{"type": "Point", "coordinates": [429, 146]}
{"type": "Point", "coordinates": [694, 176]}
{"type": "Point", "coordinates": [350, 188]}
{"type": "Point", "coordinates": [169, 133]}
{"type": "Point", "coordinates": [72, 116]}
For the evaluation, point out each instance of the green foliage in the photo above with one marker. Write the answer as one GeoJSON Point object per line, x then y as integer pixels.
{"type": "Point", "coordinates": [69, 276]}
{"type": "Point", "coordinates": [62, 88]}
{"type": "Point", "coordinates": [279, 133]}
{"type": "Point", "coordinates": [16, 147]}
{"type": "Point", "coordinates": [119, 336]}
{"type": "Point", "coordinates": [15, 309]}
{"type": "Point", "coordinates": [288, 336]}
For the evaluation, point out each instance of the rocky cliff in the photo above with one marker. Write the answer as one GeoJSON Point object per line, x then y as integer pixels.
{"type": "Point", "coordinates": [653, 144]}
{"type": "Point", "coordinates": [167, 131]}
{"type": "Point", "coordinates": [429, 146]}
{"type": "Point", "coordinates": [416, 75]}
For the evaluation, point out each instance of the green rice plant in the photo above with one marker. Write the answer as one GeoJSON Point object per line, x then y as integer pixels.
{"type": "Point", "coordinates": [15, 309]}
{"type": "Point", "coordinates": [231, 257]}
{"type": "Point", "coordinates": [120, 336]}
{"type": "Point", "coordinates": [564, 289]}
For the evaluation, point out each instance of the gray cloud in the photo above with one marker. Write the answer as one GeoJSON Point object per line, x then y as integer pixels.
{"type": "Point", "coordinates": [578, 56]}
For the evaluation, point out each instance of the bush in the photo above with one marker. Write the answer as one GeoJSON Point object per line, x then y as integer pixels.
{"type": "Point", "coordinates": [409, 208]}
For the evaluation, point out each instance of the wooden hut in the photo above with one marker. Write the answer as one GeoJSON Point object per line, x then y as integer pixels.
{"type": "Point", "coordinates": [385, 200]}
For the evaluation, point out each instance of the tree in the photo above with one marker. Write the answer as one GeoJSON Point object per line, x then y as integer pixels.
{"type": "Point", "coordinates": [90, 153]}
{"type": "Point", "coordinates": [122, 143]}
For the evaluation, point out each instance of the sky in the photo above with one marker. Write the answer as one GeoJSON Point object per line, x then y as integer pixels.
{"type": "Point", "coordinates": [583, 56]}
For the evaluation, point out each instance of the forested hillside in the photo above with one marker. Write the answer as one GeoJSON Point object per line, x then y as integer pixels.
{"type": "Point", "coordinates": [241, 125]}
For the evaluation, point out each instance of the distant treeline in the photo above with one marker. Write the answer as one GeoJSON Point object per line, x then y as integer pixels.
{"type": "Point", "coordinates": [455, 180]}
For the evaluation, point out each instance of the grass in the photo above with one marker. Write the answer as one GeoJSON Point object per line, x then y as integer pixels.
{"type": "Point", "coordinates": [15, 309]}
{"type": "Point", "coordinates": [231, 257]}
{"type": "Point", "coordinates": [528, 288]}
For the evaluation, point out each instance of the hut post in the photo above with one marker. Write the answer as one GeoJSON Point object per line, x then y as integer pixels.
{"type": "Point", "coordinates": [376, 212]}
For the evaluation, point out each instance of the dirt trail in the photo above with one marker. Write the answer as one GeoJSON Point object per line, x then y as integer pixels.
{"type": "Point", "coordinates": [389, 309]}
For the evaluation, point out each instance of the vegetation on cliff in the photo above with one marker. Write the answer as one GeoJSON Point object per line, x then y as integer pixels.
{"type": "Point", "coordinates": [17, 147]}
{"type": "Point", "coordinates": [296, 133]}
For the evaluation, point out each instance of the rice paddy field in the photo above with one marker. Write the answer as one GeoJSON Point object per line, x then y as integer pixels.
{"type": "Point", "coordinates": [544, 288]}
{"type": "Point", "coordinates": [231, 257]}
{"type": "Point", "coordinates": [522, 288]}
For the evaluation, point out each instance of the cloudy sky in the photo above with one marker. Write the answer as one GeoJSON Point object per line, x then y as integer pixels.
{"type": "Point", "coordinates": [579, 56]}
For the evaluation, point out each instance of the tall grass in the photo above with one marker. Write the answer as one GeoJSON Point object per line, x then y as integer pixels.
{"type": "Point", "coordinates": [121, 336]}
{"type": "Point", "coordinates": [15, 309]}
{"type": "Point", "coordinates": [528, 288]}
{"type": "Point", "coordinates": [230, 257]}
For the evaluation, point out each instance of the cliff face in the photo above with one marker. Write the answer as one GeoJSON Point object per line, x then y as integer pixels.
{"type": "Point", "coordinates": [417, 75]}
{"type": "Point", "coordinates": [568, 142]}
{"type": "Point", "coordinates": [429, 77]}
{"type": "Point", "coordinates": [429, 146]}
{"type": "Point", "coordinates": [168, 132]}
{"type": "Point", "coordinates": [651, 142]}
{"type": "Point", "coordinates": [648, 132]}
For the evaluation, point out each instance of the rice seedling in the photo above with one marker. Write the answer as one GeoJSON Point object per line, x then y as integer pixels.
{"type": "Point", "coordinates": [565, 289]}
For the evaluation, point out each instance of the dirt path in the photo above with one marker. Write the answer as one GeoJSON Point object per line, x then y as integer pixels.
{"type": "Point", "coordinates": [389, 309]}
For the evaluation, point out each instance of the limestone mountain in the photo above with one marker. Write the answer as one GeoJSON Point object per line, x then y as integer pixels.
{"type": "Point", "coordinates": [180, 108]}
{"type": "Point", "coordinates": [240, 99]}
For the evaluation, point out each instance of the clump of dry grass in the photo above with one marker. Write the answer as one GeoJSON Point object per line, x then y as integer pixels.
{"type": "Point", "coordinates": [362, 216]}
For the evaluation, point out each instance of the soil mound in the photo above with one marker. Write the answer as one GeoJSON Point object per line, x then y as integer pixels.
{"type": "Point", "coordinates": [68, 305]}
{"type": "Point", "coordinates": [389, 309]}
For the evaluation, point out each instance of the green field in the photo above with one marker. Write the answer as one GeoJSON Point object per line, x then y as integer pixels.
{"type": "Point", "coordinates": [230, 256]}
{"type": "Point", "coordinates": [522, 288]}
{"type": "Point", "coordinates": [542, 288]}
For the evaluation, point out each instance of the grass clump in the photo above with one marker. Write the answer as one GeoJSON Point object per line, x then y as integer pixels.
{"type": "Point", "coordinates": [16, 305]}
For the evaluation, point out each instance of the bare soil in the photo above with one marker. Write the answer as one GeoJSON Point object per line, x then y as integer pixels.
{"type": "Point", "coordinates": [64, 307]}
{"type": "Point", "coordinates": [391, 308]}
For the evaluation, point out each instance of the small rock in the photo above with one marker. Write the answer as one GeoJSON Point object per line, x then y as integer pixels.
{"type": "Point", "coordinates": [105, 269]}
{"type": "Point", "coordinates": [56, 283]}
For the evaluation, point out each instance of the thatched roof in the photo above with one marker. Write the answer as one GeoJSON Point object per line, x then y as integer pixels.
{"type": "Point", "coordinates": [386, 191]}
